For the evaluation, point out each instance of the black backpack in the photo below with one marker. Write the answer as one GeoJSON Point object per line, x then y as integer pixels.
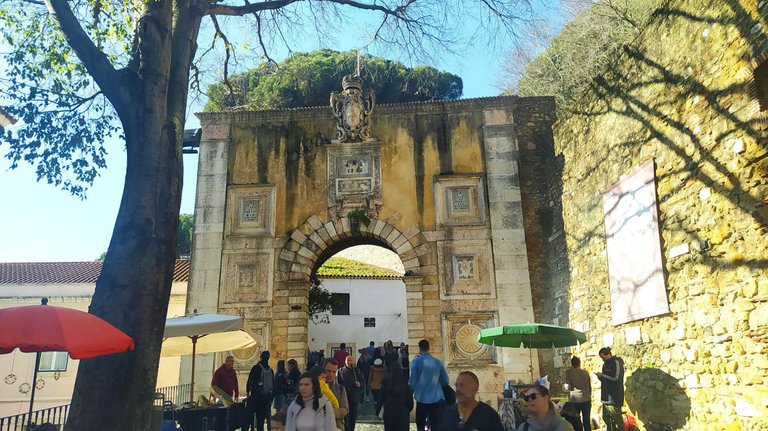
{"type": "Point", "coordinates": [266, 381]}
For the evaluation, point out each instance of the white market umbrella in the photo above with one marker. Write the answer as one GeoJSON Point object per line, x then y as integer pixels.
{"type": "Point", "coordinates": [203, 333]}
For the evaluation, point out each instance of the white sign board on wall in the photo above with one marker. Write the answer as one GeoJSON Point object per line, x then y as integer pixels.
{"type": "Point", "coordinates": [633, 247]}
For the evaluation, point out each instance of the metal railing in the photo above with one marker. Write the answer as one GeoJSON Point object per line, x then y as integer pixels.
{"type": "Point", "coordinates": [55, 416]}
{"type": "Point", "coordinates": [178, 394]}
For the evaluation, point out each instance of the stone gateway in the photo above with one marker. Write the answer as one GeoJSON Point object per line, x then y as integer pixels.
{"type": "Point", "coordinates": [281, 191]}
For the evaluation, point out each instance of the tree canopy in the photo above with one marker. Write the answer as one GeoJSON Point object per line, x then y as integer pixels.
{"type": "Point", "coordinates": [581, 51]}
{"type": "Point", "coordinates": [307, 79]}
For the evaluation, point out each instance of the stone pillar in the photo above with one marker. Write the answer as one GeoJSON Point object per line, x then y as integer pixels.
{"type": "Point", "coordinates": [207, 237]}
{"type": "Point", "coordinates": [415, 311]}
{"type": "Point", "coordinates": [298, 319]}
{"type": "Point", "coordinates": [510, 259]}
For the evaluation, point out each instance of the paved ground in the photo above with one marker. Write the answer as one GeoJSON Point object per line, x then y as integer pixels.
{"type": "Point", "coordinates": [367, 420]}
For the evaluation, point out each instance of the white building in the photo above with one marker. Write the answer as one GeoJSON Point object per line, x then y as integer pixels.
{"type": "Point", "coordinates": [372, 307]}
{"type": "Point", "coordinates": [65, 284]}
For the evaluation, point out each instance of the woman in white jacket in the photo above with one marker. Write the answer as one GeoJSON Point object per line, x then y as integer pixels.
{"type": "Point", "coordinates": [310, 411]}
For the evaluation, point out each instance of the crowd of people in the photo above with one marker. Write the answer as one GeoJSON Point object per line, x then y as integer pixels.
{"type": "Point", "coordinates": [328, 395]}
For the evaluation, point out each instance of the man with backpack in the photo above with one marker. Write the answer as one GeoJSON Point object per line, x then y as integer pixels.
{"type": "Point", "coordinates": [259, 388]}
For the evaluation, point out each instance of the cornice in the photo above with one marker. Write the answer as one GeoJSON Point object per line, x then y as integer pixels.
{"type": "Point", "coordinates": [428, 107]}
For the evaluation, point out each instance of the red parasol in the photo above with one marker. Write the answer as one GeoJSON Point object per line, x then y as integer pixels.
{"type": "Point", "coordinates": [44, 328]}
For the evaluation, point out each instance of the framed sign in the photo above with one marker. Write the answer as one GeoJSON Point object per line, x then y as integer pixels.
{"type": "Point", "coordinates": [633, 247]}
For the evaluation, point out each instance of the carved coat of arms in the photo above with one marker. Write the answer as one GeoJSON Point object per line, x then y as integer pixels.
{"type": "Point", "coordinates": [352, 109]}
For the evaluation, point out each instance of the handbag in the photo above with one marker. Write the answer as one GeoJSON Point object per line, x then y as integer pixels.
{"type": "Point", "coordinates": [449, 394]}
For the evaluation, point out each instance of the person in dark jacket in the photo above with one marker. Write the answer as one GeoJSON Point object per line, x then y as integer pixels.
{"type": "Point", "coordinates": [612, 389]}
{"type": "Point", "coordinates": [469, 414]}
{"type": "Point", "coordinates": [398, 401]}
{"type": "Point", "coordinates": [260, 393]}
{"type": "Point", "coordinates": [293, 381]}
{"type": "Point", "coordinates": [352, 379]}
{"type": "Point", "coordinates": [281, 386]}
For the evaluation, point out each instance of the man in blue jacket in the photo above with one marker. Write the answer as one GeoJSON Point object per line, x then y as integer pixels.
{"type": "Point", "coordinates": [428, 377]}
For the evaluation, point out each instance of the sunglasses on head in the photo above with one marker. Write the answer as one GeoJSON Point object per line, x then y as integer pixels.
{"type": "Point", "coordinates": [530, 397]}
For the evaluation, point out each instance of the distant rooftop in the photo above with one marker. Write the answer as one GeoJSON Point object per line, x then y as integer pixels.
{"type": "Point", "coordinates": [66, 272]}
{"type": "Point", "coordinates": [339, 267]}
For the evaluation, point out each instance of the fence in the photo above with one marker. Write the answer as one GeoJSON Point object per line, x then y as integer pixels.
{"type": "Point", "coordinates": [57, 416]}
{"type": "Point", "coordinates": [178, 394]}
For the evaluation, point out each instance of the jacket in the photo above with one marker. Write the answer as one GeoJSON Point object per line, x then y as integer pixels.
{"type": "Point", "coordinates": [612, 380]}
{"type": "Point", "coordinates": [324, 420]}
{"type": "Point", "coordinates": [552, 422]}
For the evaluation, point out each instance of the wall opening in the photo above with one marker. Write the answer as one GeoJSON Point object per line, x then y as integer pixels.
{"type": "Point", "coordinates": [367, 279]}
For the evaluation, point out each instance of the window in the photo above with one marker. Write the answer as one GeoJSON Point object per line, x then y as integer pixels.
{"type": "Point", "coordinates": [340, 304]}
{"type": "Point", "coordinates": [53, 361]}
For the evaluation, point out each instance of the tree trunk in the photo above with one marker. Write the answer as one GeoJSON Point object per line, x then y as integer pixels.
{"type": "Point", "coordinates": [115, 392]}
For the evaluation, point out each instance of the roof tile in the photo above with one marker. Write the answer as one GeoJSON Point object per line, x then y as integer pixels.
{"type": "Point", "coordinates": [66, 272]}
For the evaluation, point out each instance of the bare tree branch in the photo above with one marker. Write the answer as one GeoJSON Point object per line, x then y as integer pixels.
{"type": "Point", "coordinates": [250, 8]}
{"type": "Point", "coordinates": [94, 60]}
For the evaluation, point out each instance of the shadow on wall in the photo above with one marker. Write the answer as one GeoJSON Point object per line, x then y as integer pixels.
{"type": "Point", "coordinates": [657, 399]}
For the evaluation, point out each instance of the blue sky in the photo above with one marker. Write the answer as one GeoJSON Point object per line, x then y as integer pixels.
{"type": "Point", "coordinates": [40, 223]}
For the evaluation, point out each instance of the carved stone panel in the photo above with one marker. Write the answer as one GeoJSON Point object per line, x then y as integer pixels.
{"type": "Point", "coordinates": [246, 358]}
{"type": "Point", "coordinates": [465, 269]}
{"type": "Point", "coordinates": [250, 210]}
{"type": "Point", "coordinates": [460, 200]}
{"type": "Point", "coordinates": [246, 277]}
{"type": "Point", "coordinates": [461, 331]}
{"type": "Point", "coordinates": [354, 172]}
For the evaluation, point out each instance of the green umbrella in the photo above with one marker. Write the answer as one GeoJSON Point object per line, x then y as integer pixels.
{"type": "Point", "coordinates": [531, 336]}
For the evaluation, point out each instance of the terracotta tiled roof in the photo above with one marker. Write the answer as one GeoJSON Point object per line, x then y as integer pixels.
{"type": "Point", "coordinates": [339, 267]}
{"type": "Point", "coordinates": [66, 272]}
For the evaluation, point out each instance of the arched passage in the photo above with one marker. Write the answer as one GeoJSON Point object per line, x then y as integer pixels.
{"type": "Point", "coordinates": [314, 242]}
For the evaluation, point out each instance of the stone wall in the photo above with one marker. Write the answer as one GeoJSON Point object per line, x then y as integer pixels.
{"type": "Point", "coordinates": [683, 95]}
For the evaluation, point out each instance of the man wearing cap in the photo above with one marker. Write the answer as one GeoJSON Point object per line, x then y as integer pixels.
{"type": "Point", "coordinates": [612, 389]}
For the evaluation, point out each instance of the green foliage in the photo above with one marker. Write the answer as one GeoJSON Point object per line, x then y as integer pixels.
{"type": "Point", "coordinates": [307, 79]}
{"type": "Point", "coordinates": [64, 118]}
{"type": "Point", "coordinates": [184, 239]}
{"type": "Point", "coordinates": [339, 266]}
{"type": "Point", "coordinates": [320, 300]}
{"type": "Point", "coordinates": [583, 49]}
{"type": "Point", "coordinates": [358, 216]}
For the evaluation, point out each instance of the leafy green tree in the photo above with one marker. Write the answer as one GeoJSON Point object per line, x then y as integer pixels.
{"type": "Point", "coordinates": [184, 240]}
{"type": "Point", "coordinates": [563, 65]}
{"type": "Point", "coordinates": [321, 300]}
{"type": "Point", "coordinates": [76, 72]}
{"type": "Point", "coordinates": [307, 79]}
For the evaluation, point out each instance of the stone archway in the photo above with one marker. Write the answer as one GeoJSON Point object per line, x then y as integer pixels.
{"type": "Point", "coordinates": [441, 184]}
{"type": "Point", "coordinates": [307, 244]}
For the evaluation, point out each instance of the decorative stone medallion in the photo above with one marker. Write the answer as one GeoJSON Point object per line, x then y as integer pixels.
{"type": "Point", "coordinates": [460, 200]}
{"type": "Point", "coordinates": [246, 358]}
{"type": "Point", "coordinates": [250, 210]}
{"type": "Point", "coordinates": [461, 331]}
